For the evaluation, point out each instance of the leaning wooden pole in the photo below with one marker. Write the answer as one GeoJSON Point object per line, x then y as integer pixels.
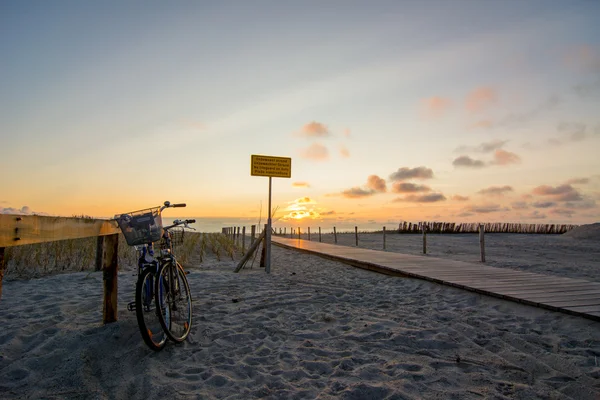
{"type": "Point", "coordinates": [111, 259]}
{"type": "Point", "coordinates": [251, 251]}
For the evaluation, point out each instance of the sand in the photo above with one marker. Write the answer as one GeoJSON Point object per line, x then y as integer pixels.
{"type": "Point", "coordinates": [313, 328]}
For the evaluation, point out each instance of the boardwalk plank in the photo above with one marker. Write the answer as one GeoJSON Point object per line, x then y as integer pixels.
{"type": "Point", "coordinates": [573, 296]}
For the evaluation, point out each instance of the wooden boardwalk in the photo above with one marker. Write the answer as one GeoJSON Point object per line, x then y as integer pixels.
{"type": "Point", "coordinates": [572, 296]}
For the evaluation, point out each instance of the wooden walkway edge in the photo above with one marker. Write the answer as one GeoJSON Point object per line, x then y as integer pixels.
{"type": "Point", "coordinates": [572, 296]}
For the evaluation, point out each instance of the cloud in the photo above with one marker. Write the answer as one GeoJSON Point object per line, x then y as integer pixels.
{"type": "Point", "coordinates": [25, 210]}
{"type": "Point", "coordinates": [328, 212]}
{"type": "Point", "coordinates": [407, 187]}
{"type": "Point", "coordinates": [405, 173]}
{"type": "Point", "coordinates": [436, 106]}
{"type": "Point", "coordinates": [486, 147]}
{"type": "Point", "coordinates": [357, 192]}
{"type": "Point", "coordinates": [578, 181]}
{"type": "Point", "coordinates": [519, 205]}
{"type": "Point", "coordinates": [301, 184]}
{"type": "Point", "coordinates": [481, 124]}
{"type": "Point", "coordinates": [563, 212]}
{"type": "Point", "coordinates": [346, 132]}
{"type": "Point", "coordinates": [558, 193]}
{"type": "Point", "coordinates": [425, 198]}
{"type": "Point", "coordinates": [304, 200]}
{"type": "Point", "coordinates": [480, 99]}
{"type": "Point", "coordinates": [496, 190]}
{"type": "Point", "coordinates": [458, 197]}
{"type": "Point", "coordinates": [581, 205]}
{"type": "Point", "coordinates": [543, 204]}
{"type": "Point", "coordinates": [468, 162]}
{"type": "Point", "coordinates": [503, 157]}
{"type": "Point", "coordinates": [314, 129]}
{"type": "Point", "coordinates": [316, 151]}
{"type": "Point", "coordinates": [518, 119]}
{"type": "Point", "coordinates": [535, 215]}
{"type": "Point", "coordinates": [344, 152]}
{"type": "Point", "coordinates": [583, 58]}
{"type": "Point", "coordinates": [376, 183]}
{"type": "Point", "coordinates": [588, 89]}
{"type": "Point", "coordinates": [485, 209]}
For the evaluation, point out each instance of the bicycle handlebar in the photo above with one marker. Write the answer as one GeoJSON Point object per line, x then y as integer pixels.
{"type": "Point", "coordinates": [178, 205]}
{"type": "Point", "coordinates": [178, 222]}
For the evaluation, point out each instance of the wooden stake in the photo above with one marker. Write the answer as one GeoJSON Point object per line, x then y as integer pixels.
{"type": "Point", "coordinates": [424, 239]}
{"type": "Point", "coordinates": [299, 234]}
{"type": "Point", "coordinates": [253, 233]}
{"type": "Point", "coordinates": [334, 235]}
{"type": "Point", "coordinates": [356, 235]}
{"type": "Point", "coordinates": [482, 241]}
{"type": "Point", "coordinates": [384, 237]}
{"type": "Point", "coordinates": [2, 268]}
{"type": "Point", "coordinates": [243, 239]}
{"type": "Point", "coordinates": [309, 233]}
{"type": "Point", "coordinates": [319, 234]}
{"type": "Point", "coordinates": [111, 264]}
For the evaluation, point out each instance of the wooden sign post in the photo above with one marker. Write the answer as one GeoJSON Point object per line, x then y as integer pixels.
{"type": "Point", "coordinates": [279, 167]}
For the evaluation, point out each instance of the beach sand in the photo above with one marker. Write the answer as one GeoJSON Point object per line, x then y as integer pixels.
{"type": "Point", "coordinates": [313, 328]}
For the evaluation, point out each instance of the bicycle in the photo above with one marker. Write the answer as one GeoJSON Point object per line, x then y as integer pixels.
{"type": "Point", "coordinates": [163, 302]}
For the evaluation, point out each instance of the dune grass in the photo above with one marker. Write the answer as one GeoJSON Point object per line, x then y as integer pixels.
{"type": "Point", "coordinates": [75, 255]}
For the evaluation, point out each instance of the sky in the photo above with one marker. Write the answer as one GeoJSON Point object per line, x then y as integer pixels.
{"type": "Point", "coordinates": [455, 111]}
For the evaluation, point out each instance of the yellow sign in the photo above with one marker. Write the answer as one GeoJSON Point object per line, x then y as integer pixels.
{"type": "Point", "coordinates": [280, 167]}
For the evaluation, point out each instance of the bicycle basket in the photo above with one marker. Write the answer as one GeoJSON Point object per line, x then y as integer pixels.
{"type": "Point", "coordinates": [176, 237]}
{"type": "Point", "coordinates": [141, 227]}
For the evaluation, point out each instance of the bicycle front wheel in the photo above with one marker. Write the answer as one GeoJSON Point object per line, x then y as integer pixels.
{"type": "Point", "coordinates": [173, 301]}
{"type": "Point", "coordinates": [145, 310]}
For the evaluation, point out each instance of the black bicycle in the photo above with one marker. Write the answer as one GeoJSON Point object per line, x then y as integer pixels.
{"type": "Point", "coordinates": [163, 302]}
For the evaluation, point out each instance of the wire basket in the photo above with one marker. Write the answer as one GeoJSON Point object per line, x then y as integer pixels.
{"type": "Point", "coordinates": [141, 227]}
{"type": "Point", "coordinates": [177, 236]}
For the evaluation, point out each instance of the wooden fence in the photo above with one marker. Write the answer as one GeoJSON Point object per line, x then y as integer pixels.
{"type": "Point", "coordinates": [16, 230]}
{"type": "Point", "coordinates": [490, 227]}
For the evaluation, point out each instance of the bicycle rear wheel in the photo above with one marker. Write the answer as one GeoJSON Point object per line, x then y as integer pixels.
{"type": "Point", "coordinates": [174, 301]}
{"type": "Point", "coordinates": [146, 312]}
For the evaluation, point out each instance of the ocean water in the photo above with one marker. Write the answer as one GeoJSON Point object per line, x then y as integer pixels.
{"type": "Point", "coordinates": [216, 224]}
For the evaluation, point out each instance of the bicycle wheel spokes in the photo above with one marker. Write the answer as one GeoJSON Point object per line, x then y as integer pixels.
{"type": "Point", "coordinates": [172, 293]}
{"type": "Point", "coordinates": [146, 312]}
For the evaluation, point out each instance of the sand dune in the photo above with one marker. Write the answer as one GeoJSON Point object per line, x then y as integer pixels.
{"type": "Point", "coordinates": [312, 329]}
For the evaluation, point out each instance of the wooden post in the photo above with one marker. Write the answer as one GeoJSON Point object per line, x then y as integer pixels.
{"type": "Point", "coordinates": [356, 235]}
{"type": "Point", "coordinates": [309, 233]}
{"type": "Point", "coordinates": [263, 254]}
{"type": "Point", "coordinates": [111, 260]}
{"type": "Point", "coordinates": [284, 231]}
{"type": "Point", "coordinates": [99, 253]}
{"type": "Point", "coordinates": [424, 239]}
{"type": "Point", "coordinates": [334, 235]}
{"type": "Point", "coordinates": [253, 233]}
{"type": "Point", "coordinates": [299, 233]}
{"type": "Point", "coordinates": [243, 239]}
{"type": "Point", "coordinates": [482, 241]}
{"type": "Point", "coordinates": [2, 268]}
{"type": "Point", "coordinates": [384, 237]}
{"type": "Point", "coordinates": [319, 234]}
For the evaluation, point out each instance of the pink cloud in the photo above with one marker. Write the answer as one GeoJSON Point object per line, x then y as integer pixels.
{"type": "Point", "coordinates": [436, 106]}
{"type": "Point", "coordinates": [314, 129]}
{"type": "Point", "coordinates": [407, 187]}
{"type": "Point", "coordinates": [496, 190]}
{"type": "Point", "coordinates": [458, 197]}
{"type": "Point", "coordinates": [481, 124]}
{"type": "Point", "coordinates": [344, 152]}
{"type": "Point", "coordinates": [480, 99]}
{"type": "Point", "coordinates": [300, 184]}
{"type": "Point", "coordinates": [316, 151]}
{"type": "Point", "coordinates": [503, 157]}
{"type": "Point", "coordinates": [423, 198]}
{"type": "Point", "coordinates": [356, 192]}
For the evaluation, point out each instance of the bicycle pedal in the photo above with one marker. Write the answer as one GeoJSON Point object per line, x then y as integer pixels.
{"type": "Point", "coordinates": [131, 306]}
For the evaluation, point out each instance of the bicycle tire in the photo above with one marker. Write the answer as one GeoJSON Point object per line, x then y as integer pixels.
{"type": "Point", "coordinates": [146, 312]}
{"type": "Point", "coordinates": [174, 309]}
